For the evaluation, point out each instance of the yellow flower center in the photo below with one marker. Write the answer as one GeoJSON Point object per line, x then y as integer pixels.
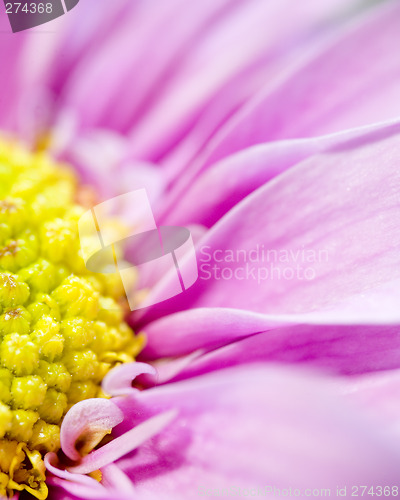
{"type": "Point", "coordinates": [61, 326]}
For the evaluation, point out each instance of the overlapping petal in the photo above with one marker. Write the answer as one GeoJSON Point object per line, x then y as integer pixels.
{"type": "Point", "coordinates": [245, 171]}
{"type": "Point", "coordinates": [336, 349]}
{"type": "Point", "coordinates": [344, 204]}
{"type": "Point", "coordinates": [96, 38]}
{"type": "Point", "coordinates": [11, 48]}
{"type": "Point", "coordinates": [247, 427]}
{"type": "Point", "coordinates": [333, 88]}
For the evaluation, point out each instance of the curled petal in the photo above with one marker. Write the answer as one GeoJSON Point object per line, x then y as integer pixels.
{"type": "Point", "coordinates": [168, 369]}
{"type": "Point", "coordinates": [118, 382]}
{"type": "Point", "coordinates": [52, 464]}
{"type": "Point", "coordinates": [124, 444]}
{"type": "Point", "coordinates": [67, 488]}
{"type": "Point", "coordinates": [116, 485]}
{"type": "Point", "coordinates": [93, 418]}
{"type": "Point", "coordinates": [253, 428]}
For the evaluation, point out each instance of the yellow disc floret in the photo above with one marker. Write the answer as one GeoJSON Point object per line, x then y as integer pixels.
{"type": "Point", "coordinates": [61, 326]}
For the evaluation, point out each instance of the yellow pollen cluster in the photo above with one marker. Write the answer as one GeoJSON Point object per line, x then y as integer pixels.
{"type": "Point", "coordinates": [61, 327]}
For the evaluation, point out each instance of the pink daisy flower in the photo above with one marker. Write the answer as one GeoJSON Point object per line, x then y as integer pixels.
{"type": "Point", "coordinates": [271, 131]}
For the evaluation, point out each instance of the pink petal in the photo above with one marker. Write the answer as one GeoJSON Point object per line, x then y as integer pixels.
{"type": "Point", "coordinates": [122, 445]}
{"type": "Point", "coordinates": [294, 103]}
{"type": "Point", "coordinates": [114, 484]}
{"type": "Point", "coordinates": [205, 328]}
{"type": "Point", "coordinates": [62, 489]}
{"type": "Point", "coordinates": [114, 477]}
{"type": "Point", "coordinates": [379, 393]}
{"type": "Point", "coordinates": [118, 381]}
{"type": "Point", "coordinates": [192, 57]}
{"type": "Point", "coordinates": [348, 350]}
{"type": "Point", "coordinates": [250, 31]}
{"type": "Point", "coordinates": [254, 427]}
{"type": "Point", "coordinates": [73, 38]}
{"type": "Point", "coordinates": [85, 417]}
{"type": "Point", "coordinates": [10, 78]}
{"type": "Point", "coordinates": [340, 207]}
{"type": "Point", "coordinates": [359, 92]}
{"type": "Point", "coordinates": [53, 465]}
{"type": "Point", "coordinates": [125, 52]}
{"type": "Point", "coordinates": [168, 369]}
{"type": "Point", "coordinates": [245, 171]}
